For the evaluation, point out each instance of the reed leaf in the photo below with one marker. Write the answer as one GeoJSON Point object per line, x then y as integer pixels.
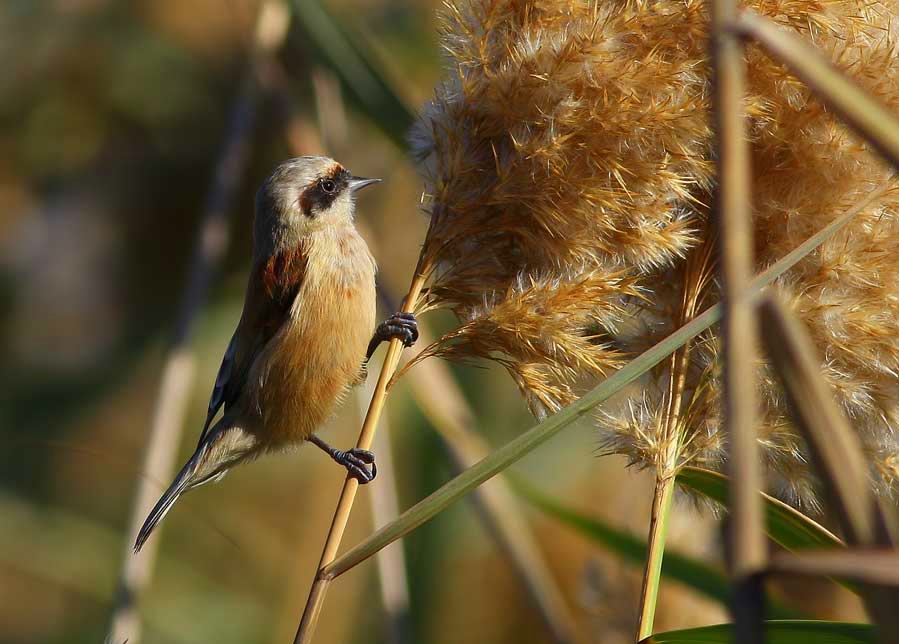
{"type": "Point", "coordinates": [356, 67]}
{"type": "Point", "coordinates": [776, 632]}
{"type": "Point", "coordinates": [697, 575]}
{"type": "Point", "coordinates": [786, 525]}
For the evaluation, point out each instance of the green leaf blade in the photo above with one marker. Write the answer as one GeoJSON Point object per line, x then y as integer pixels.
{"type": "Point", "coordinates": [776, 632]}
{"type": "Point", "coordinates": [356, 67]}
{"type": "Point", "coordinates": [787, 526]}
{"type": "Point", "coordinates": [699, 576]}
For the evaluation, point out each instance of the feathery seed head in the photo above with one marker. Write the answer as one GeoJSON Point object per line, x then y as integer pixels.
{"type": "Point", "coordinates": [569, 168]}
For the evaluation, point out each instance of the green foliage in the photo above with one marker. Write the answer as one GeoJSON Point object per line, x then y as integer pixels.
{"type": "Point", "coordinates": [699, 576]}
{"type": "Point", "coordinates": [776, 632]}
{"type": "Point", "coordinates": [785, 525]}
{"type": "Point", "coordinates": [357, 68]}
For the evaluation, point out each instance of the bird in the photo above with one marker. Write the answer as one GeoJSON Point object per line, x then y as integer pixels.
{"type": "Point", "coordinates": [305, 334]}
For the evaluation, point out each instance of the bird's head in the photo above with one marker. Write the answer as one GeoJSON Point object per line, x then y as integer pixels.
{"type": "Point", "coordinates": [302, 196]}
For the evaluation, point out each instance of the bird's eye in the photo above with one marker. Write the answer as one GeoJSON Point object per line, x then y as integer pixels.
{"type": "Point", "coordinates": [328, 185]}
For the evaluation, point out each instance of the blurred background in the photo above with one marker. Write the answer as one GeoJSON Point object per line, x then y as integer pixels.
{"type": "Point", "coordinates": [114, 117]}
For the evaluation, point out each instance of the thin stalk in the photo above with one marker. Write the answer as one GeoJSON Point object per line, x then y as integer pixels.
{"type": "Point", "coordinates": [697, 274]}
{"type": "Point", "coordinates": [658, 532]}
{"type": "Point", "coordinates": [835, 449]}
{"type": "Point", "coordinates": [746, 537]}
{"type": "Point", "coordinates": [179, 369]}
{"type": "Point", "coordinates": [315, 601]}
{"type": "Point", "coordinates": [519, 447]}
{"type": "Point", "coordinates": [666, 473]}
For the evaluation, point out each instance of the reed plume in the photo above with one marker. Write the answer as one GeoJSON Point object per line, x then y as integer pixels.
{"type": "Point", "coordinates": [567, 156]}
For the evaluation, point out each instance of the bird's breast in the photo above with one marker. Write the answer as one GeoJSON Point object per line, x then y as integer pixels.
{"type": "Point", "coordinates": [318, 353]}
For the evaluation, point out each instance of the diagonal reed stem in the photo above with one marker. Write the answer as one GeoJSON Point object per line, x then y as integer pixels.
{"type": "Point", "coordinates": [865, 115]}
{"type": "Point", "coordinates": [746, 538]}
{"type": "Point", "coordinates": [519, 447]}
{"type": "Point", "coordinates": [835, 449]}
{"type": "Point", "coordinates": [315, 601]}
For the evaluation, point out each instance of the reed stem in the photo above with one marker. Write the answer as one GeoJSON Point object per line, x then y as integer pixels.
{"type": "Point", "coordinates": [868, 117]}
{"type": "Point", "coordinates": [696, 277]}
{"type": "Point", "coordinates": [315, 601]}
{"type": "Point", "coordinates": [658, 532]}
{"type": "Point", "coordinates": [746, 539]}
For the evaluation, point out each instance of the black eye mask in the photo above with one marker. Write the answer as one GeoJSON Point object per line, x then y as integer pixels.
{"type": "Point", "coordinates": [321, 194]}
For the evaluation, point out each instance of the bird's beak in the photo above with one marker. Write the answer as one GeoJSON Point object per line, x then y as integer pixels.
{"type": "Point", "coordinates": [357, 183]}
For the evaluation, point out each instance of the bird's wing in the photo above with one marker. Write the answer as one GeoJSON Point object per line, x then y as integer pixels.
{"type": "Point", "coordinates": [271, 292]}
{"type": "Point", "coordinates": [217, 399]}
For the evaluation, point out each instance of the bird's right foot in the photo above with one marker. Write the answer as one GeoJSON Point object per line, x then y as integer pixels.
{"type": "Point", "coordinates": [399, 326]}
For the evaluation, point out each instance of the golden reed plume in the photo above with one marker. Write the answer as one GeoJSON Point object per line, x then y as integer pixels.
{"type": "Point", "coordinates": [568, 161]}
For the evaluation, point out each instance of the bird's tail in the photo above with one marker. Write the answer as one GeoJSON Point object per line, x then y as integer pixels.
{"type": "Point", "coordinates": [182, 482]}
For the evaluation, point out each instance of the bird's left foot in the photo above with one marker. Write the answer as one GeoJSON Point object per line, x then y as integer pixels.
{"type": "Point", "coordinates": [356, 460]}
{"type": "Point", "coordinates": [400, 326]}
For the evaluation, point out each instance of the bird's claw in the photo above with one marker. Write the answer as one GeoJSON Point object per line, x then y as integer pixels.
{"type": "Point", "coordinates": [402, 326]}
{"type": "Point", "coordinates": [356, 461]}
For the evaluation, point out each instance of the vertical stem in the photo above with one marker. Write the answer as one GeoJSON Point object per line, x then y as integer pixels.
{"type": "Point", "coordinates": [178, 372]}
{"type": "Point", "coordinates": [666, 473]}
{"type": "Point", "coordinates": [746, 551]}
{"type": "Point", "coordinates": [320, 585]}
{"type": "Point", "coordinates": [159, 461]}
{"type": "Point", "coordinates": [658, 531]}
{"type": "Point", "coordinates": [695, 274]}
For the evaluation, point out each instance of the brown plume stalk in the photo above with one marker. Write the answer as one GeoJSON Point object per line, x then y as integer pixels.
{"type": "Point", "coordinates": [568, 160]}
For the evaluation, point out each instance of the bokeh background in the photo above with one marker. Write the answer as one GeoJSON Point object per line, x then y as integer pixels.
{"type": "Point", "coordinates": [113, 116]}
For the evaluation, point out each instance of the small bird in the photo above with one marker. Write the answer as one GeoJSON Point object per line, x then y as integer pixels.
{"type": "Point", "coordinates": [305, 335]}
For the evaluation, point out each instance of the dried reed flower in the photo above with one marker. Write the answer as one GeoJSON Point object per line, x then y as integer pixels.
{"type": "Point", "coordinates": [568, 162]}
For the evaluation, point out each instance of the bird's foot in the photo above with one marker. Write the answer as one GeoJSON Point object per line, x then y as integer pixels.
{"type": "Point", "coordinates": [356, 461]}
{"type": "Point", "coordinates": [402, 326]}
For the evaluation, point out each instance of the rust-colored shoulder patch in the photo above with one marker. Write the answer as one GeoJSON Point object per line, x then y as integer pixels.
{"type": "Point", "coordinates": [273, 289]}
{"type": "Point", "coordinates": [282, 275]}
